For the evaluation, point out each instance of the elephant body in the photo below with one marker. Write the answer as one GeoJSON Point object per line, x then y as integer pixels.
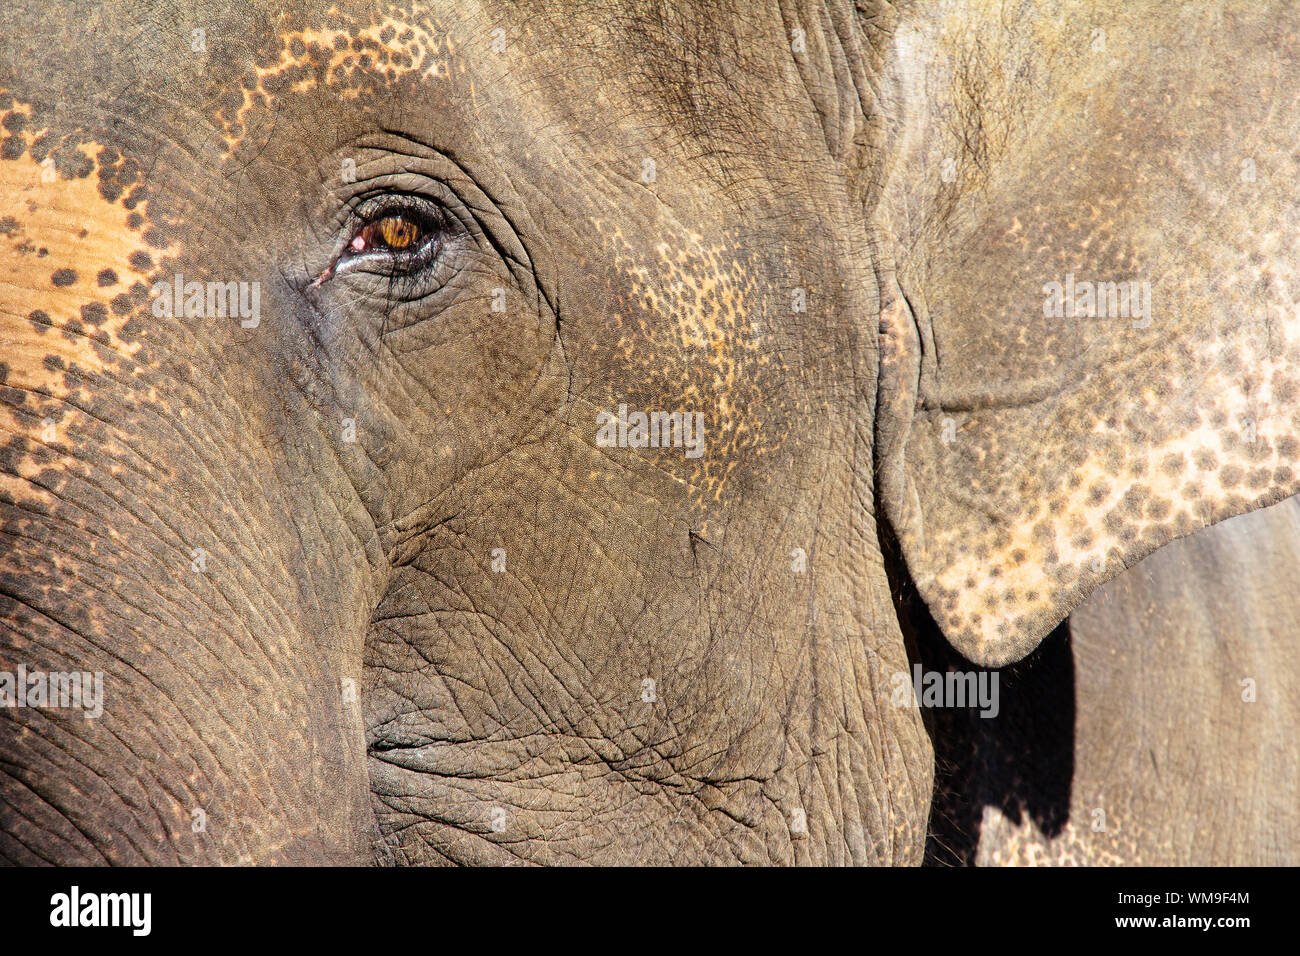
{"type": "Point", "coordinates": [1134, 734]}
{"type": "Point", "coordinates": [470, 432]}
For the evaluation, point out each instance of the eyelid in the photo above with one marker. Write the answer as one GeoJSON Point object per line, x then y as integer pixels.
{"type": "Point", "coordinates": [370, 208]}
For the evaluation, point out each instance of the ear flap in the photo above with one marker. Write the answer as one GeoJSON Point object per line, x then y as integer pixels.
{"type": "Point", "coordinates": [1092, 344]}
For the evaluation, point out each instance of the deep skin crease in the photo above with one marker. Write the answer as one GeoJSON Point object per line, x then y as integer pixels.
{"type": "Point", "coordinates": [364, 587]}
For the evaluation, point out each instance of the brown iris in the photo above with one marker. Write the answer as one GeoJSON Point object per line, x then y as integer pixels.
{"type": "Point", "coordinates": [397, 233]}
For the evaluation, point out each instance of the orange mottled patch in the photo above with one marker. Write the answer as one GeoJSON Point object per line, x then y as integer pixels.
{"type": "Point", "coordinates": [696, 326]}
{"type": "Point", "coordinates": [73, 269]}
{"type": "Point", "coordinates": [333, 57]}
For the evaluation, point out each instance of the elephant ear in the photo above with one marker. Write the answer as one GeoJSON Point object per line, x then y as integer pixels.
{"type": "Point", "coordinates": [1091, 343]}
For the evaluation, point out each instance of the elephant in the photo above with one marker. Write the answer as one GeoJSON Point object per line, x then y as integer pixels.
{"type": "Point", "coordinates": [1134, 733]}
{"type": "Point", "coordinates": [460, 432]}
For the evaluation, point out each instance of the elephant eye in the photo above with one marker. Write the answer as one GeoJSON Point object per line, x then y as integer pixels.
{"type": "Point", "coordinates": [394, 233]}
{"type": "Point", "coordinates": [399, 236]}
{"type": "Point", "coordinates": [399, 233]}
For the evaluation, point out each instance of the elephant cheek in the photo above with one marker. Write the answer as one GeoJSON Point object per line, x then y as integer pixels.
{"type": "Point", "coordinates": [902, 780]}
{"type": "Point", "coordinates": [159, 727]}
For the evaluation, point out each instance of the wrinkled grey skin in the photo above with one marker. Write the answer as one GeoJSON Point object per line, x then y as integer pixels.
{"type": "Point", "coordinates": [365, 584]}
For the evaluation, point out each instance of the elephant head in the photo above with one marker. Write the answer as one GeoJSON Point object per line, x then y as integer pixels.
{"type": "Point", "coordinates": [469, 432]}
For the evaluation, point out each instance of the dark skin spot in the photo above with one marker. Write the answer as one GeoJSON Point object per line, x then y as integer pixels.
{"type": "Point", "coordinates": [40, 320]}
{"type": "Point", "coordinates": [72, 163]}
{"type": "Point", "coordinates": [1259, 478]}
{"type": "Point", "coordinates": [1131, 503]}
{"type": "Point", "coordinates": [63, 277]}
{"type": "Point", "coordinates": [106, 278]}
{"type": "Point", "coordinates": [94, 313]}
{"type": "Point", "coordinates": [1230, 476]}
{"type": "Point", "coordinates": [1174, 464]}
{"type": "Point", "coordinates": [1097, 493]}
{"type": "Point", "coordinates": [40, 147]}
{"type": "Point", "coordinates": [141, 261]}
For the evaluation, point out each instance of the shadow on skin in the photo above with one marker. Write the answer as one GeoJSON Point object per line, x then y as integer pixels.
{"type": "Point", "coordinates": [1020, 762]}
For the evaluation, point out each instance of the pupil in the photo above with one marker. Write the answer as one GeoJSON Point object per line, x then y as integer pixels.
{"type": "Point", "coordinates": [397, 232]}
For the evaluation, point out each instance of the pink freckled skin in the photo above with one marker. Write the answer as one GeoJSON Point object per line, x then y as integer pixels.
{"type": "Point", "coordinates": [358, 244]}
